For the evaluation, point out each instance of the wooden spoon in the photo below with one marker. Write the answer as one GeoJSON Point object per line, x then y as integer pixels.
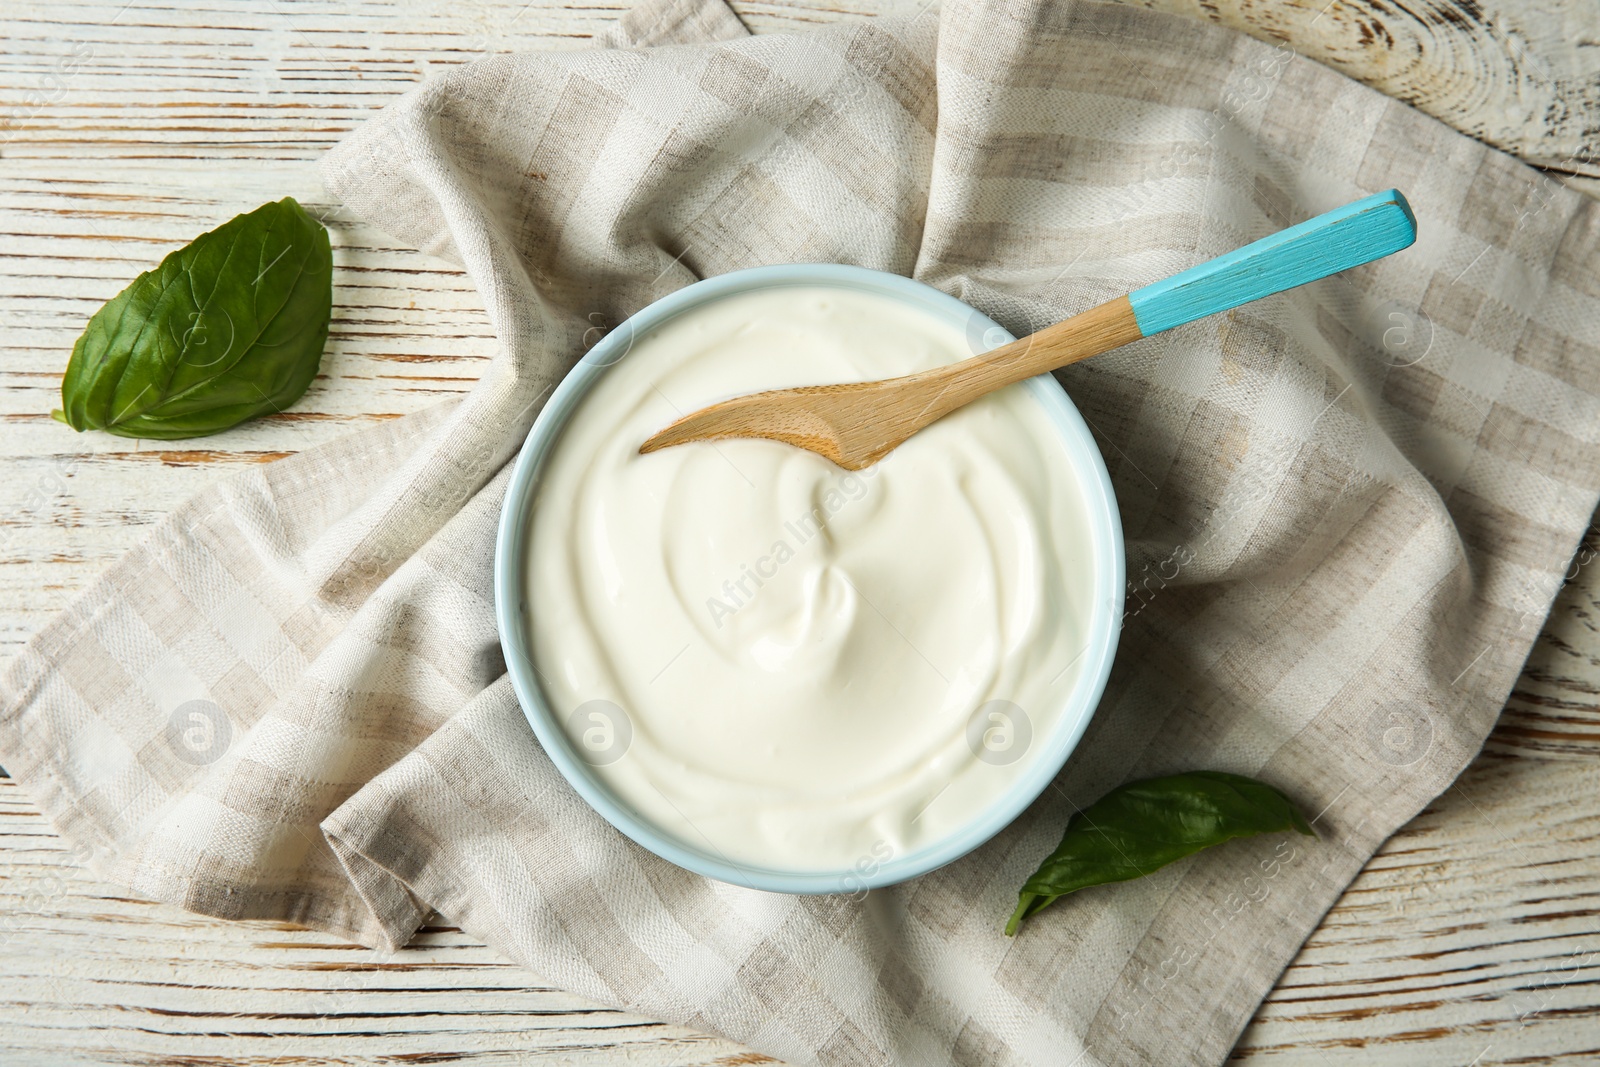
{"type": "Point", "coordinates": [857, 424]}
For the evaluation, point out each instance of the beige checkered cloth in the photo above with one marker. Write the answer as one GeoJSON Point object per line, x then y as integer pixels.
{"type": "Point", "coordinates": [1347, 511]}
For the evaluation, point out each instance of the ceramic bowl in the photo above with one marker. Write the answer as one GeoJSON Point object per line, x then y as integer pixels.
{"type": "Point", "coordinates": [511, 607]}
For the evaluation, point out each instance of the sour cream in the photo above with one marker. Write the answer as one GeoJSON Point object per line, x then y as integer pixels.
{"type": "Point", "coordinates": [782, 663]}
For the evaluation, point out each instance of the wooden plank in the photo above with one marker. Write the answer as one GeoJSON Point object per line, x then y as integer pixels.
{"type": "Point", "coordinates": [1554, 711]}
{"type": "Point", "coordinates": [89, 975]}
{"type": "Point", "coordinates": [1520, 76]}
{"type": "Point", "coordinates": [125, 128]}
{"type": "Point", "coordinates": [1472, 934]}
{"type": "Point", "coordinates": [1471, 937]}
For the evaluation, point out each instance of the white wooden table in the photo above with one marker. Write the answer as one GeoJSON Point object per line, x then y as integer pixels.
{"type": "Point", "coordinates": [126, 128]}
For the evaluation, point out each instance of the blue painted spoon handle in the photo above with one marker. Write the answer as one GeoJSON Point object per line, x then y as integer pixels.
{"type": "Point", "coordinates": [858, 423]}
{"type": "Point", "coordinates": [1368, 229]}
{"type": "Point", "coordinates": [1360, 232]}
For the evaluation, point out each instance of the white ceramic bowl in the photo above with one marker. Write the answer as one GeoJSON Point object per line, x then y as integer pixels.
{"type": "Point", "coordinates": [1052, 749]}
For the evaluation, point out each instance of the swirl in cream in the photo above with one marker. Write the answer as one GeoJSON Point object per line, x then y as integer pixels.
{"type": "Point", "coordinates": [814, 666]}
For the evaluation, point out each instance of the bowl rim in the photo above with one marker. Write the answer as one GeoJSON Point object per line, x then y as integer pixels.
{"type": "Point", "coordinates": [871, 871]}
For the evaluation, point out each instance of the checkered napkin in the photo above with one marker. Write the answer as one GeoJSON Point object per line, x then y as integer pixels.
{"type": "Point", "coordinates": [1347, 511]}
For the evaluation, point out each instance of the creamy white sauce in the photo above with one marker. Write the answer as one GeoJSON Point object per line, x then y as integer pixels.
{"type": "Point", "coordinates": [806, 660]}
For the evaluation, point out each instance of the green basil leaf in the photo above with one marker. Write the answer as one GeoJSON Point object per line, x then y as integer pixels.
{"type": "Point", "coordinates": [229, 327]}
{"type": "Point", "coordinates": [1142, 826]}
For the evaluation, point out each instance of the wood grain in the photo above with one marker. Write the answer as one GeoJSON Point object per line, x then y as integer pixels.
{"type": "Point", "coordinates": [89, 975]}
{"type": "Point", "coordinates": [1522, 76]}
{"type": "Point", "coordinates": [125, 129]}
{"type": "Point", "coordinates": [1470, 937]}
{"type": "Point", "coordinates": [855, 424]}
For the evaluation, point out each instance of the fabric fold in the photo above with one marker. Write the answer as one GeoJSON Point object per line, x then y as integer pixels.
{"type": "Point", "coordinates": [1347, 510]}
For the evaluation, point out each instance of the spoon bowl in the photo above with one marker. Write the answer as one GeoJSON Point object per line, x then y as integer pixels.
{"type": "Point", "coordinates": [857, 424]}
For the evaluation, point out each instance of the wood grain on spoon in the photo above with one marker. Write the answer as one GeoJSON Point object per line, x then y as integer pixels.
{"type": "Point", "coordinates": [857, 424]}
